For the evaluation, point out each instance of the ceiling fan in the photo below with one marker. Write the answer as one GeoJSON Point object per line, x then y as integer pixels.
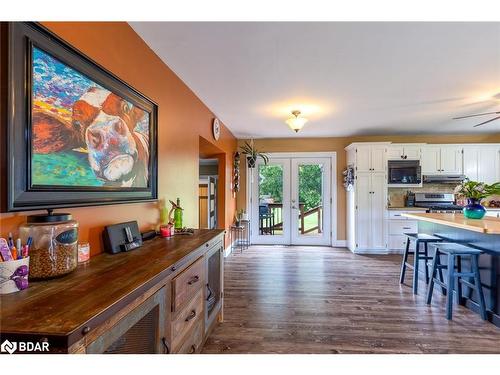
{"type": "Point", "coordinates": [481, 114]}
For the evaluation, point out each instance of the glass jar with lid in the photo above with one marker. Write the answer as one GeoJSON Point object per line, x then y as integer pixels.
{"type": "Point", "coordinates": [54, 248]}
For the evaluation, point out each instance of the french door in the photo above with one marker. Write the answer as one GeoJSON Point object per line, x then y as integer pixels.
{"type": "Point", "coordinates": [291, 201]}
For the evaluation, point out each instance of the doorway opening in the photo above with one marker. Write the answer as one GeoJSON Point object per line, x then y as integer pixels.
{"type": "Point", "coordinates": [207, 193]}
{"type": "Point", "coordinates": [291, 199]}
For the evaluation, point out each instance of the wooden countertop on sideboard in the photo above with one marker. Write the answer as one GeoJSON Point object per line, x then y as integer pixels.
{"type": "Point", "coordinates": [488, 225]}
{"type": "Point", "coordinates": [95, 290]}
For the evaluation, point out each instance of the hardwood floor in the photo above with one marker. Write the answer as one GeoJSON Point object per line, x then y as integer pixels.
{"type": "Point", "coordinates": [324, 300]}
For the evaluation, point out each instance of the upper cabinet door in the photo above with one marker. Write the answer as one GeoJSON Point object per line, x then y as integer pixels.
{"type": "Point", "coordinates": [471, 154]}
{"type": "Point", "coordinates": [488, 164]}
{"type": "Point", "coordinates": [363, 159]}
{"type": "Point", "coordinates": [431, 163]}
{"type": "Point", "coordinates": [378, 158]}
{"type": "Point", "coordinates": [395, 152]}
{"type": "Point", "coordinates": [452, 160]}
{"type": "Point", "coordinates": [412, 152]}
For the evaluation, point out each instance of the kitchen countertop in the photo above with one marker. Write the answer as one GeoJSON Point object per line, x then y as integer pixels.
{"type": "Point", "coordinates": [487, 225]}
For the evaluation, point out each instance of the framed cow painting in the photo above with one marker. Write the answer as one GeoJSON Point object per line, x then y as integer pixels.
{"type": "Point", "coordinates": [77, 134]}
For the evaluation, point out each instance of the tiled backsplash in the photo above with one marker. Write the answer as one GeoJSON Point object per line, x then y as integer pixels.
{"type": "Point", "coordinates": [396, 196]}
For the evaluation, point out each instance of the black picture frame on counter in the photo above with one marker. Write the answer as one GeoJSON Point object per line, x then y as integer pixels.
{"type": "Point", "coordinates": [92, 143]}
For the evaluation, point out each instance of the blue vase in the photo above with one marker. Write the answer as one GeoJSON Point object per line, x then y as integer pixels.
{"type": "Point", "coordinates": [474, 210]}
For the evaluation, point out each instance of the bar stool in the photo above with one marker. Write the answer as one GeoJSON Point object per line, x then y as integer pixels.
{"type": "Point", "coordinates": [418, 254]}
{"type": "Point", "coordinates": [456, 252]}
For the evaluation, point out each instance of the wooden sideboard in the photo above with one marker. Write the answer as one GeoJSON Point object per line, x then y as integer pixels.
{"type": "Point", "coordinates": [151, 300]}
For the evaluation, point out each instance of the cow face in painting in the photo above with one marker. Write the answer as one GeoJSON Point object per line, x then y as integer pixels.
{"type": "Point", "coordinates": [117, 153]}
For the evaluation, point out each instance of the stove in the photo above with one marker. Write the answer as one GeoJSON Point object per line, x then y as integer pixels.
{"type": "Point", "coordinates": [437, 202]}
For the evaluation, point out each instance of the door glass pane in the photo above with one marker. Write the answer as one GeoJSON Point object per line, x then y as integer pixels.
{"type": "Point", "coordinates": [270, 199]}
{"type": "Point", "coordinates": [310, 208]}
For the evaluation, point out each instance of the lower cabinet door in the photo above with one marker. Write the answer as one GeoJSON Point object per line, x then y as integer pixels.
{"type": "Point", "coordinates": [139, 332]}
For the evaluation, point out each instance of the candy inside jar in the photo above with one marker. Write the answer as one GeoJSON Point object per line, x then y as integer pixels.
{"type": "Point", "coordinates": [54, 250]}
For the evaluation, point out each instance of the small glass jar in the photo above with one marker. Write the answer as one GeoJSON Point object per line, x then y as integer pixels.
{"type": "Point", "coordinates": [54, 248]}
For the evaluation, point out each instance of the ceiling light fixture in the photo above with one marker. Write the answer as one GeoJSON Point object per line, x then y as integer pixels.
{"type": "Point", "coordinates": [296, 123]}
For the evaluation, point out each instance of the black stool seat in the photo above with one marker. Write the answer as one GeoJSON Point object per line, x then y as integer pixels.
{"type": "Point", "coordinates": [422, 237]}
{"type": "Point", "coordinates": [455, 253]}
{"type": "Point", "coordinates": [418, 254]}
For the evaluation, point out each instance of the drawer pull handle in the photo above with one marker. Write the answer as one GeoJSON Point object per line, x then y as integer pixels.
{"type": "Point", "coordinates": [193, 280]}
{"type": "Point", "coordinates": [406, 227]}
{"type": "Point", "coordinates": [193, 349]}
{"type": "Point", "coordinates": [191, 316]}
{"type": "Point", "coordinates": [165, 344]}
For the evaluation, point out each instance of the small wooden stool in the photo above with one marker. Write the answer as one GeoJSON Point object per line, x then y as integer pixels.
{"type": "Point", "coordinates": [455, 253]}
{"type": "Point", "coordinates": [418, 254]}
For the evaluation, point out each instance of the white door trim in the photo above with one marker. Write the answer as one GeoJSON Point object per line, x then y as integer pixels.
{"type": "Point", "coordinates": [333, 186]}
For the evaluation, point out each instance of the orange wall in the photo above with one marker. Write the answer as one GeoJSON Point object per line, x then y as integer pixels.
{"type": "Point", "coordinates": [182, 120]}
{"type": "Point", "coordinates": [338, 144]}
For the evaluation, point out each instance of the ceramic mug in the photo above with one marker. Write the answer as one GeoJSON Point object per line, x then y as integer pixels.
{"type": "Point", "coordinates": [14, 275]}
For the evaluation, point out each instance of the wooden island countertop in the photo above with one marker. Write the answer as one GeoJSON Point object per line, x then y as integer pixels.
{"type": "Point", "coordinates": [487, 225]}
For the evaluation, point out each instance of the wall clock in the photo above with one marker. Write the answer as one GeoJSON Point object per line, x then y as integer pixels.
{"type": "Point", "coordinates": [216, 128]}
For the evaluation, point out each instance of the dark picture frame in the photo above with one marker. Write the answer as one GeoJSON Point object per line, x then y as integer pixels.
{"type": "Point", "coordinates": [22, 194]}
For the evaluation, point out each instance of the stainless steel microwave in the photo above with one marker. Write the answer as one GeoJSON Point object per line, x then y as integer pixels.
{"type": "Point", "coordinates": [404, 173]}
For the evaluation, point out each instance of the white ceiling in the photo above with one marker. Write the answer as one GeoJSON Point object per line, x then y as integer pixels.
{"type": "Point", "coordinates": [348, 78]}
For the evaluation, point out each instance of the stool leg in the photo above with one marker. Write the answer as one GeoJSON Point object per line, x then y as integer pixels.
{"type": "Point", "coordinates": [449, 296]}
{"type": "Point", "coordinates": [459, 284]}
{"type": "Point", "coordinates": [426, 254]}
{"type": "Point", "coordinates": [405, 259]}
{"type": "Point", "coordinates": [430, 288]}
{"type": "Point", "coordinates": [416, 261]}
{"type": "Point", "coordinates": [479, 288]}
{"type": "Point", "coordinates": [437, 258]}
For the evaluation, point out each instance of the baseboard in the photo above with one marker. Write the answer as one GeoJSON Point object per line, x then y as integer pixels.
{"type": "Point", "coordinates": [378, 251]}
{"type": "Point", "coordinates": [228, 250]}
{"type": "Point", "coordinates": [339, 243]}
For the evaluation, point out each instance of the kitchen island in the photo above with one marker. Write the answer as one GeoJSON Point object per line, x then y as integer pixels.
{"type": "Point", "coordinates": [483, 234]}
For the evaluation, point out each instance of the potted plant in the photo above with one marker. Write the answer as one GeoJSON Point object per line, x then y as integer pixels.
{"type": "Point", "coordinates": [475, 192]}
{"type": "Point", "coordinates": [252, 154]}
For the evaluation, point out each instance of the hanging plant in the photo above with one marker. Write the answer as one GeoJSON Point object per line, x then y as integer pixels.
{"type": "Point", "coordinates": [252, 154]}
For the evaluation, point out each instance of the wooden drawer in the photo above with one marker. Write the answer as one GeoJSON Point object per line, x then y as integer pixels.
{"type": "Point", "coordinates": [187, 318]}
{"type": "Point", "coordinates": [186, 284]}
{"type": "Point", "coordinates": [194, 339]}
{"type": "Point", "coordinates": [399, 227]}
{"type": "Point", "coordinates": [397, 242]}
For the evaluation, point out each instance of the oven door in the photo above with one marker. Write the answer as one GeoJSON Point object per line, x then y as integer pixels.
{"type": "Point", "coordinates": [404, 173]}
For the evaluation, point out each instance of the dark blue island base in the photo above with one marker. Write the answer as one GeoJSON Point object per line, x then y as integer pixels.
{"type": "Point", "coordinates": [489, 264]}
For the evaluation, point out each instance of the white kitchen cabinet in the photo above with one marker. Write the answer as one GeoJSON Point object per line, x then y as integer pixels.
{"type": "Point", "coordinates": [371, 200]}
{"type": "Point", "coordinates": [482, 163]}
{"type": "Point", "coordinates": [403, 152]}
{"type": "Point", "coordinates": [398, 225]}
{"type": "Point", "coordinates": [442, 159]}
{"type": "Point", "coordinates": [431, 160]}
{"type": "Point", "coordinates": [451, 160]}
{"type": "Point", "coordinates": [371, 157]}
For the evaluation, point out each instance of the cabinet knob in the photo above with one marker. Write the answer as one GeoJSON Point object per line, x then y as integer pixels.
{"type": "Point", "coordinates": [191, 316]}
{"type": "Point", "coordinates": [173, 268]}
{"type": "Point", "coordinates": [85, 330]}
